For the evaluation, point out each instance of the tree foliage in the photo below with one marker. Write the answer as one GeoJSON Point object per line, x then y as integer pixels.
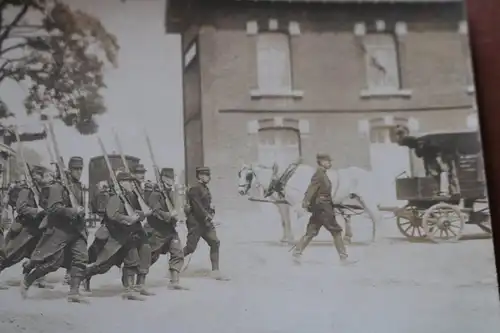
{"type": "Point", "coordinates": [59, 54]}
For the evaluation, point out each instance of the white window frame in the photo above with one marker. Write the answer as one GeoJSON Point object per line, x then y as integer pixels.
{"type": "Point", "coordinates": [387, 42]}
{"type": "Point", "coordinates": [268, 45]}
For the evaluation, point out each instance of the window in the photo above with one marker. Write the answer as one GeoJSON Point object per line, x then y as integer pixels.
{"type": "Point", "coordinates": [382, 64]}
{"type": "Point", "coordinates": [279, 145]}
{"type": "Point", "coordinates": [273, 62]}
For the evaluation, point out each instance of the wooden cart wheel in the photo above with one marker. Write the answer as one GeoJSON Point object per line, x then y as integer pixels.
{"type": "Point", "coordinates": [409, 223]}
{"type": "Point", "coordinates": [443, 223]}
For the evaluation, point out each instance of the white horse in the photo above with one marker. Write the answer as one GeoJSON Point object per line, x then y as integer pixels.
{"type": "Point", "coordinates": [352, 189]}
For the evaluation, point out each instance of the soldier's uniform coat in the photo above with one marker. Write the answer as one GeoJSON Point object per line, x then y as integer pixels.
{"type": "Point", "coordinates": [318, 199]}
{"type": "Point", "coordinates": [66, 234]}
{"type": "Point", "coordinates": [125, 241]}
{"type": "Point", "coordinates": [163, 236]}
{"type": "Point", "coordinates": [199, 221]}
{"type": "Point", "coordinates": [25, 232]}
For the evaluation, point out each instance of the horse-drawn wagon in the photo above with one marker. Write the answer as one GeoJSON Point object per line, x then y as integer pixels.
{"type": "Point", "coordinates": [452, 192]}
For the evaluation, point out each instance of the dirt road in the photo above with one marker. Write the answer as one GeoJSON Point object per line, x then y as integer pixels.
{"type": "Point", "coordinates": [396, 287]}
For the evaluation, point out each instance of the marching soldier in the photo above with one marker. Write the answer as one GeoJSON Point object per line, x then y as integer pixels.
{"type": "Point", "coordinates": [145, 189]}
{"type": "Point", "coordinates": [139, 172]}
{"type": "Point", "coordinates": [200, 213]}
{"type": "Point", "coordinates": [66, 235]}
{"type": "Point", "coordinates": [318, 200]}
{"type": "Point", "coordinates": [101, 235]}
{"type": "Point", "coordinates": [164, 238]}
{"type": "Point", "coordinates": [126, 240]}
{"type": "Point", "coordinates": [25, 232]}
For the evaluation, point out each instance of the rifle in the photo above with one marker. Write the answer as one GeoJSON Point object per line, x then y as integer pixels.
{"type": "Point", "coordinates": [161, 184]}
{"type": "Point", "coordinates": [27, 172]}
{"type": "Point", "coordinates": [60, 167]}
{"type": "Point", "coordinates": [116, 186]}
{"type": "Point", "coordinates": [144, 207]}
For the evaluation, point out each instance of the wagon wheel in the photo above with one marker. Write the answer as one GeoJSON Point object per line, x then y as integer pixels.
{"type": "Point", "coordinates": [443, 223]}
{"type": "Point", "coordinates": [409, 223]}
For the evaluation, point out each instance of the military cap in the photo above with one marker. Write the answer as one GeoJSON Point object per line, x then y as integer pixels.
{"type": "Point", "coordinates": [167, 172]}
{"type": "Point", "coordinates": [203, 171]}
{"type": "Point", "coordinates": [75, 162]}
{"type": "Point", "coordinates": [123, 176]}
{"type": "Point", "coordinates": [139, 168]}
{"type": "Point", "coordinates": [323, 157]}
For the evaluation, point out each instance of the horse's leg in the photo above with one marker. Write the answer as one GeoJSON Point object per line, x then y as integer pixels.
{"type": "Point", "coordinates": [285, 223]}
{"type": "Point", "coordinates": [348, 230]}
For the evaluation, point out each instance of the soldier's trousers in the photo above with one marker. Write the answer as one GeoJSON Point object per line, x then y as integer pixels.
{"type": "Point", "coordinates": [135, 255]}
{"type": "Point", "coordinates": [76, 249]}
{"type": "Point", "coordinates": [323, 215]}
{"type": "Point", "coordinates": [197, 230]}
{"type": "Point", "coordinates": [172, 245]}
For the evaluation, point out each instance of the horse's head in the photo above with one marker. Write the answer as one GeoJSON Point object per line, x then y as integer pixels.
{"type": "Point", "coordinates": [246, 176]}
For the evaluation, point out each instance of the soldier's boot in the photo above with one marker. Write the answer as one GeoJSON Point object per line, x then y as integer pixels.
{"type": "Point", "coordinates": [74, 295]}
{"type": "Point", "coordinates": [128, 282]}
{"type": "Point", "coordinates": [42, 284]}
{"type": "Point", "coordinates": [348, 233]}
{"type": "Point", "coordinates": [140, 285]}
{"type": "Point", "coordinates": [86, 285]}
{"type": "Point", "coordinates": [67, 279]}
{"type": "Point", "coordinates": [23, 288]}
{"type": "Point", "coordinates": [28, 281]}
{"type": "Point", "coordinates": [174, 281]}
{"type": "Point", "coordinates": [300, 247]}
{"type": "Point", "coordinates": [341, 249]}
{"type": "Point", "coordinates": [3, 286]}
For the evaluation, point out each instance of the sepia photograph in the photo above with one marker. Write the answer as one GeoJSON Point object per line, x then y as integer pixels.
{"type": "Point", "coordinates": [260, 166]}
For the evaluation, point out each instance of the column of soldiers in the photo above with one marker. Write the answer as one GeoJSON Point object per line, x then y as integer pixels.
{"type": "Point", "coordinates": [53, 234]}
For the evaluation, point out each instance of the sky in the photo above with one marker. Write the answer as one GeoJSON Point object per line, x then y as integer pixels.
{"type": "Point", "coordinates": [144, 92]}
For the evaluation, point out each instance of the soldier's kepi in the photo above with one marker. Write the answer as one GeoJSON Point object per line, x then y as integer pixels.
{"type": "Point", "coordinates": [200, 213]}
{"type": "Point", "coordinates": [163, 235]}
{"type": "Point", "coordinates": [25, 232]}
{"type": "Point", "coordinates": [64, 242]}
{"type": "Point", "coordinates": [318, 200]}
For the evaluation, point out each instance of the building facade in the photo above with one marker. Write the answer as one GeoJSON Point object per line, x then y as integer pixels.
{"type": "Point", "coordinates": [269, 81]}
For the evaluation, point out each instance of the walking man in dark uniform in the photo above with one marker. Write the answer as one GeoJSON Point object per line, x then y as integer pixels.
{"type": "Point", "coordinates": [200, 213]}
{"type": "Point", "coordinates": [164, 238]}
{"type": "Point", "coordinates": [125, 242]}
{"type": "Point", "coordinates": [64, 242]}
{"type": "Point", "coordinates": [25, 232]}
{"type": "Point", "coordinates": [318, 200]}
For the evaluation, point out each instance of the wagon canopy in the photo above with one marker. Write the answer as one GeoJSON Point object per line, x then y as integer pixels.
{"type": "Point", "coordinates": [465, 142]}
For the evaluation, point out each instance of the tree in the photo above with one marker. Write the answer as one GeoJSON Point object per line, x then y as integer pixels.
{"type": "Point", "coordinates": [60, 57]}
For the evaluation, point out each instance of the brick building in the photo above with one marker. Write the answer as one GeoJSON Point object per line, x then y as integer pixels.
{"type": "Point", "coordinates": [273, 80]}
